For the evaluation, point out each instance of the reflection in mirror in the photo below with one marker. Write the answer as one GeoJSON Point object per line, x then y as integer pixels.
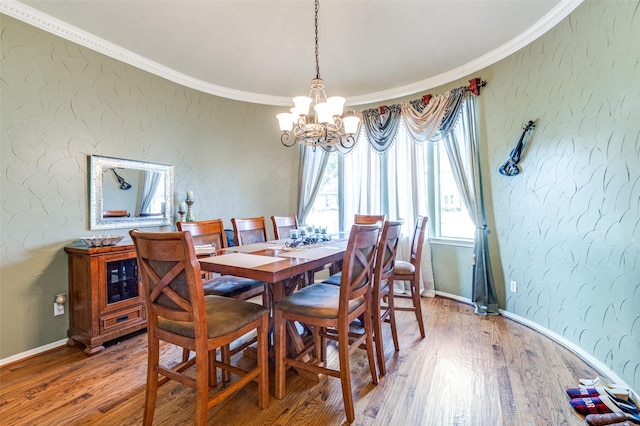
{"type": "Point", "coordinates": [129, 194]}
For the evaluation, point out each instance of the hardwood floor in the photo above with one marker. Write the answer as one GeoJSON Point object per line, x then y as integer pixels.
{"type": "Point", "coordinates": [469, 370]}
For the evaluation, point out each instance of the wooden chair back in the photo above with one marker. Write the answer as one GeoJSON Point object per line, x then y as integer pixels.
{"type": "Point", "coordinates": [205, 232]}
{"type": "Point", "coordinates": [383, 271]}
{"type": "Point", "coordinates": [386, 254]}
{"type": "Point", "coordinates": [368, 219]}
{"type": "Point", "coordinates": [249, 230]}
{"type": "Point", "coordinates": [357, 269]}
{"type": "Point", "coordinates": [418, 241]}
{"type": "Point", "coordinates": [170, 274]}
{"type": "Point", "coordinates": [282, 226]}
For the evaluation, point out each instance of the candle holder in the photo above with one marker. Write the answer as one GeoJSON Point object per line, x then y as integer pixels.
{"type": "Point", "coordinates": [181, 213]}
{"type": "Point", "coordinates": [190, 202]}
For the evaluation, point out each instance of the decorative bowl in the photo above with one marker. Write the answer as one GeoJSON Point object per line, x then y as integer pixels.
{"type": "Point", "coordinates": [102, 240]}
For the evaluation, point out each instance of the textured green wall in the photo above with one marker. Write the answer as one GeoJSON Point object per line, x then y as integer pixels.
{"type": "Point", "coordinates": [568, 227]}
{"type": "Point", "coordinates": [62, 102]}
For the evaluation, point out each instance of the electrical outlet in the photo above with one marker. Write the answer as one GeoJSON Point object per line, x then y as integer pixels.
{"type": "Point", "coordinates": [514, 287]}
{"type": "Point", "coordinates": [58, 309]}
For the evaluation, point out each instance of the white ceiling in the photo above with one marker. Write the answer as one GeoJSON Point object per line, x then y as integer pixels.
{"type": "Point", "coordinates": [263, 51]}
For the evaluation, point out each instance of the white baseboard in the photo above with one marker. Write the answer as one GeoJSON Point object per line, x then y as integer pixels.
{"type": "Point", "coordinates": [599, 366]}
{"type": "Point", "coordinates": [32, 352]}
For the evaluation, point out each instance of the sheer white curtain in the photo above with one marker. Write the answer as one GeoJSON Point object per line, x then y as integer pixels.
{"type": "Point", "coordinates": [312, 165]}
{"type": "Point", "coordinates": [393, 183]}
{"type": "Point", "coordinates": [149, 187]}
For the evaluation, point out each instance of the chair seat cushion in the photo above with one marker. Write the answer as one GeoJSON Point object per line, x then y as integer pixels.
{"type": "Point", "coordinates": [334, 279]}
{"type": "Point", "coordinates": [230, 286]}
{"type": "Point", "coordinates": [404, 268]}
{"type": "Point", "coordinates": [224, 316]}
{"type": "Point", "coordinates": [316, 300]}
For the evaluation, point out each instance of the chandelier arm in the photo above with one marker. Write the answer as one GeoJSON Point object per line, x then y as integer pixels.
{"type": "Point", "coordinates": [350, 139]}
{"type": "Point", "coordinates": [285, 138]}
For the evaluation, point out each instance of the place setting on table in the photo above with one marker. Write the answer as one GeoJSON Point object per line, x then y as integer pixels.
{"type": "Point", "coordinates": [307, 242]}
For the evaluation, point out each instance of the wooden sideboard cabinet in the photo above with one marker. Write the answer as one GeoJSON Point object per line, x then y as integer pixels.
{"type": "Point", "coordinates": [105, 295]}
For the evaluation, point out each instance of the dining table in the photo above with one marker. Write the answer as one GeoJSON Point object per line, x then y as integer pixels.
{"type": "Point", "coordinates": [282, 268]}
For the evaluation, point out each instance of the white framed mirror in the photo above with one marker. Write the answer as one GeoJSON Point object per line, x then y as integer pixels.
{"type": "Point", "coordinates": [129, 194]}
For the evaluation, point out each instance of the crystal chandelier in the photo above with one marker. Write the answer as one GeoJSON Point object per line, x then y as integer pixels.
{"type": "Point", "coordinates": [325, 126]}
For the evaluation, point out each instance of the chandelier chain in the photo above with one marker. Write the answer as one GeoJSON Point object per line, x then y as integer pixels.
{"type": "Point", "coordinates": [316, 23]}
{"type": "Point", "coordinates": [323, 127]}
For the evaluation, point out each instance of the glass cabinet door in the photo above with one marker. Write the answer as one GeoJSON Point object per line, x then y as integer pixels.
{"type": "Point", "coordinates": [122, 280]}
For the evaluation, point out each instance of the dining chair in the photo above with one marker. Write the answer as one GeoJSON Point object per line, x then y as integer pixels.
{"type": "Point", "coordinates": [282, 226]}
{"type": "Point", "coordinates": [368, 219]}
{"type": "Point", "coordinates": [324, 306]}
{"type": "Point", "coordinates": [179, 313]}
{"type": "Point", "coordinates": [207, 232]}
{"type": "Point", "coordinates": [359, 219]}
{"type": "Point", "coordinates": [410, 271]}
{"type": "Point", "coordinates": [249, 230]}
{"type": "Point", "coordinates": [383, 290]}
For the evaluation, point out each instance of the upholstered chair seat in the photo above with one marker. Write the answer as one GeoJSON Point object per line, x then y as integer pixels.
{"type": "Point", "coordinates": [334, 279]}
{"type": "Point", "coordinates": [224, 316]}
{"type": "Point", "coordinates": [404, 268]}
{"type": "Point", "coordinates": [231, 286]}
{"type": "Point", "coordinates": [317, 300]}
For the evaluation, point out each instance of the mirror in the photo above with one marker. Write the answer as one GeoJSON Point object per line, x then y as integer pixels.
{"type": "Point", "coordinates": [129, 194]}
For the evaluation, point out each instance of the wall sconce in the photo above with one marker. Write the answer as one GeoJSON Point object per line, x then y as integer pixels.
{"type": "Point", "coordinates": [61, 298]}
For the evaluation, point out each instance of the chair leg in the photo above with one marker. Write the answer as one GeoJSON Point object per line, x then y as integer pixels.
{"type": "Point", "coordinates": [280, 353]}
{"type": "Point", "coordinates": [368, 329]}
{"type": "Point", "coordinates": [225, 357]}
{"type": "Point", "coordinates": [263, 363]}
{"type": "Point", "coordinates": [152, 379]}
{"type": "Point", "coordinates": [415, 295]}
{"type": "Point", "coordinates": [392, 319]}
{"type": "Point", "coordinates": [213, 371]}
{"type": "Point", "coordinates": [185, 355]}
{"type": "Point", "coordinates": [202, 388]}
{"type": "Point", "coordinates": [345, 375]}
{"type": "Point", "coordinates": [317, 343]}
{"type": "Point", "coordinates": [377, 337]}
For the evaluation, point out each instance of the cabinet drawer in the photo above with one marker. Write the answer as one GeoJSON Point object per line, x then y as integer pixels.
{"type": "Point", "coordinates": [121, 318]}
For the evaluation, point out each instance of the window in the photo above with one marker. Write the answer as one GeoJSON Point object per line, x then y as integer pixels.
{"type": "Point", "coordinates": [454, 220]}
{"type": "Point", "coordinates": [325, 210]}
{"type": "Point", "coordinates": [408, 177]}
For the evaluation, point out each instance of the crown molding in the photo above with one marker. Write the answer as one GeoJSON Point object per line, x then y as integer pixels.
{"type": "Point", "coordinates": [57, 27]}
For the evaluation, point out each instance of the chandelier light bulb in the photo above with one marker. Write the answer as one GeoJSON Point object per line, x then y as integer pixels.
{"type": "Point", "coordinates": [337, 104]}
{"type": "Point", "coordinates": [301, 104]}
{"type": "Point", "coordinates": [286, 121]}
{"type": "Point", "coordinates": [324, 112]}
{"type": "Point", "coordinates": [350, 123]}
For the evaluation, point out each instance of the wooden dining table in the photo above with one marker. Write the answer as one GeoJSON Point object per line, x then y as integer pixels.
{"type": "Point", "coordinates": [283, 269]}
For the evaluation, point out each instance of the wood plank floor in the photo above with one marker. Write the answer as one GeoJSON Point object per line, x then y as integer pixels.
{"type": "Point", "coordinates": [469, 370]}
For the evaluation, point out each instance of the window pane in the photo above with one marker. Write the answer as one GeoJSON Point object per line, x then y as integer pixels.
{"type": "Point", "coordinates": [454, 218]}
{"type": "Point", "coordinates": [325, 207]}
